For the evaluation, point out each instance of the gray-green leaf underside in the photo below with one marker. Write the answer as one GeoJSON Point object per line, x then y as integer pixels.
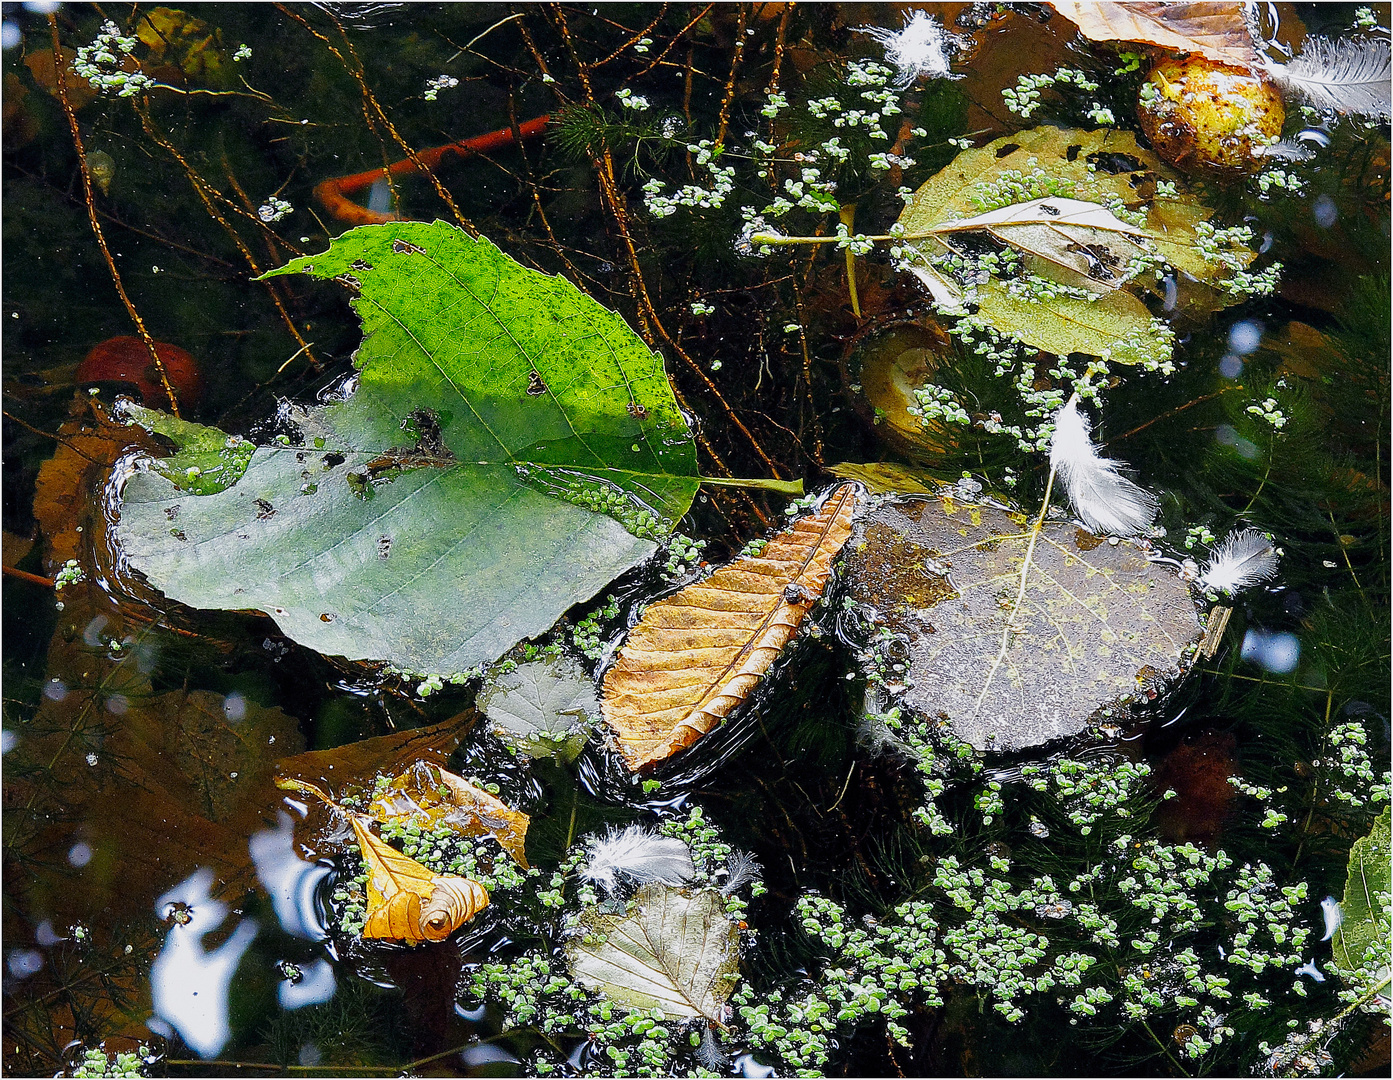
{"type": "Point", "coordinates": [468, 491]}
{"type": "Point", "coordinates": [675, 950]}
{"type": "Point", "coordinates": [541, 708]}
{"type": "Point", "coordinates": [1098, 625]}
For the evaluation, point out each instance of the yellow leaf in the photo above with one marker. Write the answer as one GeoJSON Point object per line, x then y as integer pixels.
{"type": "Point", "coordinates": [1214, 30]}
{"type": "Point", "coordinates": [430, 795]}
{"type": "Point", "coordinates": [697, 655]}
{"type": "Point", "coordinates": [406, 901]}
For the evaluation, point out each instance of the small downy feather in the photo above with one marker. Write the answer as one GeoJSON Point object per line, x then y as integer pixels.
{"type": "Point", "coordinates": [919, 50]}
{"type": "Point", "coordinates": [1243, 559]}
{"type": "Point", "coordinates": [1350, 75]}
{"type": "Point", "coordinates": [1107, 502]}
{"type": "Point", "coordinates": [640, 855]}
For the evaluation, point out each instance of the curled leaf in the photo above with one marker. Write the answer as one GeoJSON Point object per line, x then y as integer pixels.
{"type": "Point", "coordinates": [1217, 31]}
{"type": "Point", "coordinates": [406, 901]}
{"type": "Point", "coordinates": [696, 655]}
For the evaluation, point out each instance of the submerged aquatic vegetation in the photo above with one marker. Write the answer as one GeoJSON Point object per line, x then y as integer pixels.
{"type": "Point", "coordinates": [1016, 798]}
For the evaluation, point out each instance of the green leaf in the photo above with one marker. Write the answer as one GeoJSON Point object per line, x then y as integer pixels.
{"type": "Point", "coordinates": [511, 446]}
{"type": "Point", "coordinates": [1361, 945]}
{"type": "Point", "coordinates": [996, 193]}
{"type": "Point", "coordinates": [208, 460]}
{"type": "Point", "coordinates": [675, 951]}
{"type": "Point", "coordinates": [1098, 625]}
{"type": "Point", "coordinates": [541, 709]}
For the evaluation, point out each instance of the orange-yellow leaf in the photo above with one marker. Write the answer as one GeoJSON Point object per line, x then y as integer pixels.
{"type": "Point", "coordinates": [406, 901]}
{"type": "Point", "coordinates": [430, 795]}
{"type": "Point", "coordinates": [1214, 30]}
{"type": "Point", "coordinates": [696, 655]}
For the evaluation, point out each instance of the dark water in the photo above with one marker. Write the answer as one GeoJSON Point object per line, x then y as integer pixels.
{"type": "Point", "coordinates": [154, 889]}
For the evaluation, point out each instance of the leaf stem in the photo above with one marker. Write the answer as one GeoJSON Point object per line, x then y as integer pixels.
{"type": "Point", "coordinates": [1020, 592]}
{"type": "Point", "coordinates": [785, 487]}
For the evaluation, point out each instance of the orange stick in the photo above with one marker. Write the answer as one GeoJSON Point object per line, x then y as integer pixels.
{"type": "Point", "coordinates": [334, 195]}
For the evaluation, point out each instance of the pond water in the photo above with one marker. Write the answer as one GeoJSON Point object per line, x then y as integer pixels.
{"type": "Point", "coordinates": [1119, 861]}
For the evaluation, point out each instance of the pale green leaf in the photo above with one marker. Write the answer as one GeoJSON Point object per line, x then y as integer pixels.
{"type": "Point", "coordinates": [1361, 945]}
{"type": "Point", "coordinates": [542, 708]}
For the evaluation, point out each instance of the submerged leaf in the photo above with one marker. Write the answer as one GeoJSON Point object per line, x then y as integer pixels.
{"type": "Point", "coordinates": [408, 902]}
{"type": "Point", "coordinates": [510, 447]}
{"type": "Point", "coordinates": [1361, 943]}
{"type": "Point", "coordinates": [674, 951]}
{"type": "Point", "coordinates": [431, 796]}
{"type": "Point", "coordinates": [542, 708]}
{"type": "Point", "coordinates": [696, 655]}
{"type": "Point", "coordinates": [1097, 626]}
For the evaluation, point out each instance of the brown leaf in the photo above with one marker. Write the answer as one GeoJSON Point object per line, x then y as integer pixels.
{"type": "Point", "coordinates": [1213, 30]}
{"type": "Point", "coordinates": [431, 795]}
{"type": "Point", "coordinates": [406, 901]}
{"type": "Point", "coordinates": [697, 655]}
{"type": "Point", "coordinates": [334, 768]}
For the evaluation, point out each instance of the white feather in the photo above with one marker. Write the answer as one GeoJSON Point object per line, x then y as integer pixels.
{"type": "Point", "coordinates": [1350, 75]}
{"type": "Point", "coordinates": [639, 854]}
{"type": "Point", "coordinates": [1107, 502]}
{"type": "Point", "coordinates": [1333, 914]}
{"type": "Point", "coordinates": [1243, 559]}
{"type": "Point", "coordinates": [919, 50]}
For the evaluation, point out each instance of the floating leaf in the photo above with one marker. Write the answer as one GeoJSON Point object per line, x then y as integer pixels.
{"type": "Point", "coordinates": [408, 902]}
{"type": "Point", "coordinates": [430, 796]}
{"type": "Point", "coordinates": [885, 477]}
{"type": "Point", "coordinates": [674, 951]}
{"type": "Point", "coordinates": [542, 709]}
{"type": "Point", "coordinates": [696, 655]}
{"type": "Point", "coordinates": [332, 769]}
{"type": "Point", "coordinates": [1074, 288]}
{"type": "Point", "coordinates": [448, 508]}
{"type": "Point", "coordinates": [1212, 29]}
{"type": "Point", "coordinates": [1362, 942]}
{"type": "Point", "coordinates": [1097, 626]}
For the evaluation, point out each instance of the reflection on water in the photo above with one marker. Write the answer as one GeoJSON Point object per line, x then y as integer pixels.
{"type": "Point", "coordinates": [189, 984]}
{"type": "Point", "coordinates": [315, 986]}
{"type": "Point", "coordinates": [289, 880]}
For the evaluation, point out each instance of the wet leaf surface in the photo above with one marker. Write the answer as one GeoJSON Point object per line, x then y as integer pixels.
{"type": "Point", "coordinates": [406, 901]}
{"type": "Point", "coordinates": [696, 655]}
{"type": "Point", "coordinates": [1366, 904]}
{"type": "Point", "coordinates": [1098, 624]}
{"type": "Point", "coordinates": [449, 507]}
{"type": "Point", "coordinates": [430, 796]}
{"type": "Point", "coordinates": [542, 708]}
{"type": "Point", "coordinates": [1072, 167]}
{"type": "Point", "coordinates": [675, 951]}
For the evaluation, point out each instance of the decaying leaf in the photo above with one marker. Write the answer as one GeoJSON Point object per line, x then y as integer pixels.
{"type": "Point", "coordinates": [429, 796]}
{"type": "Point", "coordinates": [674, 951]}
{"type": "Point", "coordinates": [331, 769]}
{"type": "Point", "coordinates": [1365, 909]}
{"type": "Point", "coordinates": [406, 901]}
{"type": "Point", "coordinates": [1097, 625]}
{"type": "Point", "coordinates": [1073, 281]}
{"type": "Point", "coordinates": [696, 655]}
{"type": "Point", "coordinates": [541, 709]}
{"type": "Point", "coordinates": [1213, 29]}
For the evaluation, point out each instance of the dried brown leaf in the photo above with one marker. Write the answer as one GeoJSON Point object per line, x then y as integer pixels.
{"type": "Point", "coordinates": [429, 796]}
{"type": "Point", "coordinates": [696, 655]}
{"type": "Point", "coordinates": [332, 769]}
{"type": "Point", "coordinates": [1213, 30]}
{"type": "Point", "coordinates": [408, 902]}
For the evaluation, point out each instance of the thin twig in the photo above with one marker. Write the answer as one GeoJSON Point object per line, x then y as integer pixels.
{"type": "Point", "coordinates": [61, 78]}
{"type": "Point", "coordinates": [728, 96]}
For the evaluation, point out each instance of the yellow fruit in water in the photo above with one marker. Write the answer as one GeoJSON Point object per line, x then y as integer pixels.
{"type": "Point", "coordinates": [1200, 114]}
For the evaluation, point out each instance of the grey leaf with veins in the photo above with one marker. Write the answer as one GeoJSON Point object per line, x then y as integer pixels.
{"type": "Point", "coordinates": [1098, 628]}
{"type": "Point", "coordinates": [541, 708]}
{"type": "Point", "coordinates": [674, 951]}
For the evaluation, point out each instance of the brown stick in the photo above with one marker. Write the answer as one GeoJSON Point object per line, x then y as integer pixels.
{"type": "Point", "coordinates": [728, 97]}
{"type": "Point", "coordinates": [60, 76]}
{"type": "Point", "coordinates": [24, 575]}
